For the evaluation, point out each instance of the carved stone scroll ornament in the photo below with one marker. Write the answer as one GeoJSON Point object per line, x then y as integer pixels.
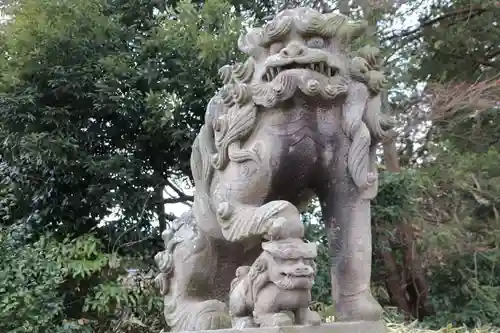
{"type": "Point", "coordinates": [302, 114]}
{"type": "Point", "coordinates": [276, 289]}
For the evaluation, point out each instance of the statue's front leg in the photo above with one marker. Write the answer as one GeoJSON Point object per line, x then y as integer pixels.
{"type": "Point", "coordinates": [240, 209]}
{"type": "Point", "coordinates": [347, 216]}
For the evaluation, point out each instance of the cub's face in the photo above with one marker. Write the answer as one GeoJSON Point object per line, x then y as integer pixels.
{"type": "Point", "coordinates": [297, 273]}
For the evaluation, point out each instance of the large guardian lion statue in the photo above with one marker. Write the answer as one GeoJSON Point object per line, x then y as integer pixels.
{"type": "Point", "coordinates": [299, 118]}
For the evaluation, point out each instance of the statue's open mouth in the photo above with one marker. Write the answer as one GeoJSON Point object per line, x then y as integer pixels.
{"type": "Point", "coordinates": [320, 67]}
{"type": "Point", "coordinates": [296, 275]}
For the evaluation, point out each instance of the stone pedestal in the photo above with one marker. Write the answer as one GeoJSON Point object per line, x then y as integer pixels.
{"type": "Point", "coordinates": [340, 327]}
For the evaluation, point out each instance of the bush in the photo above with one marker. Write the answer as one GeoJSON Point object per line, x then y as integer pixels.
{"type": "Point", "coordinates": [466, 290]}
{"type": "Point", "coordinates": [30, 274]}
{"type": "Point", "coordinates": [47, 285]}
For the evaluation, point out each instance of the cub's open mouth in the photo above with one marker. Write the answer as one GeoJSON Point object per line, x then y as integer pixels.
{"type": "Point", "coordinates": [320, 67]}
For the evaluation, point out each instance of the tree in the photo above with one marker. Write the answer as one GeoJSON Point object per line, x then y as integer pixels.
{"type": "Point", "coordinates": [100, 102]}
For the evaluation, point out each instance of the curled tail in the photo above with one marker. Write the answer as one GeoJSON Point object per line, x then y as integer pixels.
{"type": "Point", "coordinates": [197, 316]}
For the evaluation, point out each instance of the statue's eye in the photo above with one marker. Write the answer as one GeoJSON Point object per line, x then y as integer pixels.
{"type": "Point", "coordinates": [275, 47]}
{"type": "Point", "coordinates": [316, 43]}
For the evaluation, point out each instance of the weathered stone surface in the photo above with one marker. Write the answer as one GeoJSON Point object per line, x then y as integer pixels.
{"type": "Point", "coordinates": [279, 280]}
{"type": "Point", "coordinates": [341, 327]}
{"type": "Point", "coordinates": [299, 118]}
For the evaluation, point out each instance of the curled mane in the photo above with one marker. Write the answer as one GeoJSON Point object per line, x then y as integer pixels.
{"type": "Point", "coordinates": [258, 276]}
{"type": "Point", "coordinates": [229, 119]}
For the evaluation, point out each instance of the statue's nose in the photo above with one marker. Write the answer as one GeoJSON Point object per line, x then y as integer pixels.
{"type": "Point", "coordinates": [302, 271]}
{"type": "Point", "coordinates": [293, 50]}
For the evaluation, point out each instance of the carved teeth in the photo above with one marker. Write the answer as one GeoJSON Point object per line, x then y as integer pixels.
{"type": "Point", "coordinates": [321, 67]}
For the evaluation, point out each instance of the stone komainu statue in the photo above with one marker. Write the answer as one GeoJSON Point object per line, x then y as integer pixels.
{"type": "Point", "coordinates": [300, 117]}
{"type": "Point", "coordinates": [279, 280]}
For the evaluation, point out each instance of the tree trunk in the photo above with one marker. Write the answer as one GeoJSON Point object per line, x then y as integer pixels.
{"type": "Point", "coordinates": [416, 282]}
{"type": "Point", "coordinates": [394, 281]}
{"type": "Point", "coordinates": [160, 208]}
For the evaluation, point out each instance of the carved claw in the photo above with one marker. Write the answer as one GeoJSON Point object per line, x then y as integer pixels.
{"type": "Point", "coordinates": [281, 228]}
{"type": "Point", "coordinates": [276, 228]}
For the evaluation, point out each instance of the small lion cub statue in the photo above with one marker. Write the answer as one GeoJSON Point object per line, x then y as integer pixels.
{"type": "Point", "coordinates": [276, 289]}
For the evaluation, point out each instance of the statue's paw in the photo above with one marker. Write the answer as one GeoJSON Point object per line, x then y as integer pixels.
{"type": "Point", "coordinates": [244, 322]}
{"type": "Point", "coordinates": [274, 320]}
{"type": "Point", "coordinates": [277, 228]}
{"type": "Point", "coordinates": [209, 315]}
{"type": "Point", "coordinates": [281, 228]}
{"type": "Point", "coordinates": [281, 319]}
{"type": "Point", "coordinates": [361, 307]}
{"type": "Point", "coordinates": [312, 319]}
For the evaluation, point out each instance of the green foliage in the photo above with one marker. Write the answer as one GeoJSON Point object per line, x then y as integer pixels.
{"type": "Point", "coordinates": [396, 198]}
{"type": "Point", "coordinates": [462, 245]}
{"type": "Point", "coordinates": [30, 277]}
{"type": "Point", "coordinates": [40, 280]}
{"type": "Point", "coordinates": [461, 44]}
{"type": "Point", "coordinates": [315, 233]}
{"type": "Point", "coordinates": [98, 111]}
{"type": "Point", "coordinates": [100, 103]}
{"type": "Point", "coordinates": [466, 289]}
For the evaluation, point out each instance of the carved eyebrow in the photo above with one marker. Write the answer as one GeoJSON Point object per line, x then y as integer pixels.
{"type": "Point", "coordinates": [267, 41]}
{"type": "Point", "coordinates": [275, 30]}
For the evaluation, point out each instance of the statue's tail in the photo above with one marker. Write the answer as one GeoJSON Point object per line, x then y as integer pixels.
{"type": "Point", "coordinates": [203, 150]}
{"type": "Point", "coordinates": [196, 316]}
{"type": "Point", "coordinates": [201, 159]}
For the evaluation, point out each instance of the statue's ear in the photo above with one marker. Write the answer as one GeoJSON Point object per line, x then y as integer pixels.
{"type": "Point", "coordinates": [250, 43]}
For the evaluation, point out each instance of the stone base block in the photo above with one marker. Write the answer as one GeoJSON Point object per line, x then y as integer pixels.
{"type": "Point", "coordinates": [340, 327]}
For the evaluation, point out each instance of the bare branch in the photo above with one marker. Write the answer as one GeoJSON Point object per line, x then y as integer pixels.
{"type": "Point", "coordinates": [464, 13]}
{"type": "Point", "coordinates": [182, 199]}
{"type": "Point", "coordinates": [453, 99]}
